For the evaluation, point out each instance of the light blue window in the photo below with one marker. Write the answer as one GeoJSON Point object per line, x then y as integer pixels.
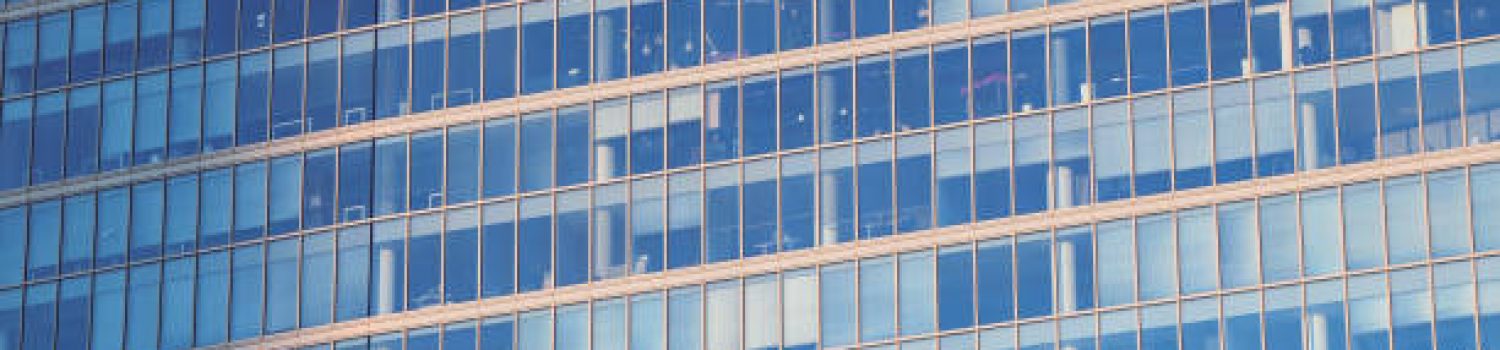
{"type": "Point", "coordinates": [426, 173]}
{"type": "Point", "coordinates": [611, 138]}
{"type": "Point", "coordinates": [536, 44]}
{"type": "Point", "coordinates": [253, 101]}
{"type": "Point", "coordinates": [610, 231]}
{"type": "Point", "coordinates": [684, 27]}
{"type": "Point", "coordinates": [998, 339]}
{"type": "Point", "coordinates": [760, 208]}
{"type": "Point", "coordinates": [499, 157]}
{"type": "Point", "coordinates": [1363, 226]}
{"type": "Point", "coordinates": [1233, 134]}
{"type": "Point", "coordinates": [949, 11]}
{"type": "Point", "coordinates": [1073, 252]}
{"type": "Point", "coordinates": [150, 120]}
{"type": "Point", "coordinates": [721, 139]}
{"type": "Point", "coordinates": [392, 62]}
{"type": "Point", "coordinates": [219, 27]}
{"type": "Point", "coordinates": [876, 207]}
{"type": "Point", "coordinates": [759, 109]}
{"type": "Point", "coordinates": [797, 109]}
{"type": "Point", "coordinates": [1356, 114]}
{"type": "Point", "coordinates": [684, 318]}
{"type": "Point", "coordinates": [215, 206]}
{"type": "Point", "coordinates": [428, 76]}
{"type": "Point", "coordinates": [612, 39]}
{"type": "Point", "coordinates": [1037, 336]}
{"type": "Point", "coordinates": [1400, 132]}
{"type": "Point", "coordinates": [41, 317]}
{"type": "Point", "coordinates": [249, 201]}
{"type": "Point", "coordinates": [873, 89]}
{"type": "Point", "coordinates": [1405, 224]}
{"type": "Point", "coordinates": [45, 241]}
{"type": "Point", "coordinates": [1108, 70]}
{"type": "Point", "coordinates": [722, 213]}
{"type": "Point", "coordinates": [1197, 247]}
{"type": "Point", "coordinates": [1117, 267]}
{"type": "Point", "coordinates": [146, 216]}
{"type": "Point", "coordinates": [1351, 25]}
{"type": "Point", "coordinates": [951, 89]}
{"type": "Point", "coordinates": [646, 227]}
{"type": "Point", "coordinates": [245, 295]}
{"type": "Point", "coordinates": [799, 295]}
{"type": "Point", "coordinates": [955, 287]}
{"type": "Point", "coordinates": [572, 327]}
{"type": "Point", "coordinates": [647, 33]}
{"type": "Point", "coordinates": [1033, 273]}
{"type": "Point", "coordinates": [1442, 127]}
{"type": "Point", "coordinates": [1148, 50]}
{"type": "Point", "coordinates": [647, 133]}
{"type": "Point", "coordinates": [285, 200]}
{"type": "Point", "coordinates": [500, 45]}
{"type": "Point", "coordinates": [1369, 312]}
{"type": "Point", "coordinates": [1321, 228]}
{"type": "Point", "coordinates": [1070, 164]}
{"type": "Point", "coordinates": [114, 226]}
{"type": "Point", "coordinates": [1227, 32]}
{"type": "Point", "coordinates": [82, 151]}
{"type": "Point", "coordinates": [358, 75]}
{"type": "Point", "coordinates": [1200, 324]}
{"type": "Point", "coordinates": [534, 330]}
{"type": "Point", "coordinates": [1076, 333]}
{"type": "Point", "coordinates": [1268, 51]}
{"type": "Point", "coordinates": [1453, 293]}
{"type": "Point", "coordinates": [120, 33]}
{"type": "Point", "coordinates": [73, 309]}
{"type": "Point", "coordinates": [177, 318]}
{"type": "Point", "coordinates": [722, 315]}
{"type": "Point", "coordinates": [78, 231]}
{"type": "Point", "coordinates": [1028, 70]}
{"type": "Point", "coordinates": [1159, 327]}
{"type": "Point", "coordinates": [387, 277]}
{"type": "Point", "coordinates": [218, 108]}
{"type": "Point", "coordinates": [1411, 309]}
{"type": "Point", "coordinates": [1311, 17]}
{"type": "Point", "coordinates": [992, 170]}
{"type": "Point", "coordinates": [953, 199]}
{"type": "Point", "coordinates": [572, 43]}
{"type": "Point", "coordinates": [1238, 246]}
{"type": "Point", "coordinates": [317, 279]}
{"type": "Point", "coordinates": [1155, 251]}
{"type": "Point", "coordinates": [909, 15]}
{"type": "Point", "coordinates": [799, 201]}
{"type": "Point", "coordinates": [318, 189]}
{"type": "Point", "coordinates": [1489, 304]}
{"type": "Point", "coordinates": [990, 84]}
{"type": "Point", "coordinates": [534, 232]}
{"type": "Point", "coordinates": [498, 244]}
{"type": "Point", "coordinates": [281, 285]}
{"type": "Point", "coordinates": [1189, 52]}
{"type": "Point", "coordinates": [20, 56]}
{"type": "Point", "coordinates": [835, 93]}
{"type": "Point", "coordinates": [88, 43]}
{"type": "Point", "coordinates": [286, 92]}
{"type": "Point", "coordinates": [114, 138]}
{"type": "Point", "coordinates": [684, 220]}
{"type": "Point", "coordinates": [995, 280]}
{"type": "Point", "coordinates": [15, 135]}
{"type": "Point", "coordinates": [917, 293]}
{"type": "Point", "coordinates": [463, 164]}
{"type": "Point", "coordinates": [1278, 238]}
{"type": "Point", "coordinates": [877, 298]}
{"type": "Point", "coordinates": [49, 125]}
{"type": "Point", "coordinates": [1192, 140]}
{"type": "Point", "coordinates": [1070, 71]}
{"type": "Point", "coordinates": [1275, 146]}
{"type": "Point", "coordinates": [1449, 221]}
{"type": "Point", "coordinates": [1032, 174]}
{"type": "Point", "coordinates": [425, 338]}
{"type": "Point", "coordinates": [536, 151]}
{"type": "Point", "coordinates": [186, 108]}
{"type": "Point", "coordinates": [107, 313]}
{"type": "Point", "coordinates": [572, 257]}
{"type": "Point", "coordinates": [762, 316]}
{"type": "Point", "coordinates": [837, 305]}
{"type": "Point", "coordinates": [1283, 318]}
{"type": "Point", "coordinates": [353, 276]}
{"type": "Point", "coordinates": [684, 126]}
{"type": "Point", "coordinates": [212, 316]}
{"type": "Point", "coordinates": [1480, 69]}
{"type": "Point", "coordinates": [464, 59]}
{"type": "Point", "coordinates": [913, 100]}
{"type": "Point", "coordinates": [1111, 149]}
{"type": "Point", "coordinates": [424, 269]}
{"type": "Point", "coordinates": [1117, 330]}
{"type": "Point", "coordinates": [914, 183]}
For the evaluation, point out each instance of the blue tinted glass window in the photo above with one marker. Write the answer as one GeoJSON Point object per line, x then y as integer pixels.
{"type": "Point", "coordinates": [992, 170]}
{"type": "Point", "coordinates": [255, 25]}
{"type": "Point", "coordinates": [1189, 52]}
{"type": "Point", "coordinates": [151, 118]}
{"type": "Point", "coordinates": [1148, 50]}
{"type": "Point", "coordinates": [952, 165]}
{"type": "Point", "coordinates": [1032, 147]}
{"type": "Point", "coordinates": [612, 39]}
{"type": "Point", "coordinates": [464, 59]}
{"type": "Point", "coordinates": [286, 92]}
{"type": "Point", "coordinates": [1232, 134]}
{"type": "Point", "coordinates": [572, 143]}
{"type": "Point", "coordinates": [760, 208]}
{"type": "Point", "coordinates": [426, 170]}
{"type": "Point", "coordinates": [48, 127]}
{"type": "Point", "coordinates": [1238, 245]}
{"type": "Point", "coordinates": [41, 316]}
{"type": "Point", "coordinates": [537, 43]}
{"type": "Point", "coordinates": [499, 157]}
{"type": "Point", "coordinates": [1475, 19]}
{"type": "Point", "coordinates": [908, 15]}
{"type": "Point", "coordinates": [215, 205]}
{"type": "Point", "coordinates": [500, 53]}
{"type": "Point", "coordinates": [722, 213]}
{"type": "Point", "coordinates": [1446, 200]}
{"type": "Point", "coordinates": [1070, 150]}
{"type": "Point", "coordinates": [762, 324]}
{"type": "Point", "coordinates": [1311, 17]}
{"type": "Point", "coordinates": [322, 85]}
{"type": "Point", "coordinates": [249, 201]}
{"type": "Point", "coordinates": [253, 97]}
{"type": "Point", "coordinates": [1159, 327]}
{"type": "Point", "coordinates": [463, 164]}
{"type": "Point", "coordinates": [796, 24]}
{"type": "Point", "coordinates": [534, 232]}
{"type": "Point", "coordinates": [1276, 152]}
{"type": "Point", "coordinates": [721, 107]}
{"type": "Point", "coordinates": [460, 336]}
{"type": "Point", "coordinates": [912, 99]}
{"type": "Point", "coordinates": [78, 232]}
{"type": "Point", "coordinates": [995, 280]}
{"type": "Point", "coordinates": [186, 108]}
{"type": "Point", "coordinates": [721, 30]}
{"type": "Point", "coordinates": [1441, 126]}
{"type": "Point", "coordinates": [389, 184]}
{"type": "Point", "coordinates": [1268, 51]}
{"type": "Point", "coordinates": [1200, 322]}
{"type": "Point", "coordinates": [73, 309]}
{"type": "Point", "coordinates": [1315, 96]}
{"type": "Point", "coordinates": [1481, 67]}
{"type": "Point", "coordinates": [611, 217]}
{"type": "Point", "coordinates": [289, 18]}
{"type": "Point", "coordinates": [1028, 70]}
{"type": "Point", "coordinates": [317, 279]}
{"type": "Point", "coordinates": [798, 198]}
{"type": "Point", "coordinates": [45, 237]}
{"type": "Point", "coordinates": [877, 298]}
{"type": "Point", "coordinates": [461, 256]}
{"type": "Point", "coordinates": [285, 200]}
{"type": "Point", "coordinates": [1033, 268]}
{"type": "Point", "coordinates": [1227, 31]}
{"type": "Point", "coordinates": [873, 89]}
{"type": "Point", "coordinates": [428, 74]}
{"type": "Point", "coordinates": [950, 83]}
{"type": "Point", "coordinates": [684, 220]}
{"type": "Point", "coordinates": [318, 189]}
{"type": "Point", "coordinates": [837, 188]}
{"type": "Point", "coordinates": [914, 183]}
{"type": "Point", "coordinates": [88, 43]}
{"type": "Point", "coordinates": [835, 102]}
{"type": "Point", "coordinates": [114, 224]}
{"type": "Point", "coordinates": [1118, 264]}
{"type": "Point", "coordinates": [1278, 238]}
{"type": "Point", "coordinates": [876, 178]}
{"type": "Point", "coordinates": [1070, 78]}
{"type": "Point", "coordinates": [108, 311]}
{"type": "Point", "coordinates": [1111, 150]}
{"type": "Point", "coordinates": [1155, 251]}
{"type": "Point", "coordinates": [1358, 130]}
{"type": "Point", "coordinates": [873, 17]}
{"type": "Point", "coordinates": [1453, 292]}
{"type": "Point", "coordinates": [797, 109]}
{"type": "Point", "coordinates": [143, 307]}
{"type": "Point", "coordinates": [1411, 309]}
{"type": "Point", "coordinates": [120, 32]}
{"type": "Point", "coordinates": [647, 34]}
{"type": "Point", "coordinates": [799, 293]}
{"type": "Point", "coordinates": [146, 214]}
{"type": "Point", "coordinates": [387, 257]}
{"type": "Point", "coordinates": [916, 293]}
{"type": "Point", "coordinates": [219, 27]}
{"type": "Point", "coordinates": [498, 333]}
{"type": "Point", "coordinates": [684, 126]}
{"type": "Point", "coordinates": [1074, 254]}
{"type": "Point", "coordinates": [1367, 301]}
{"type": "Point", "coordinates": [187, 30]}
{"type": "Point", "coordinates": [353, 275]}
{"type": "Point", "coordinates": [281, 285]}
{"type": "Point", "coordinates": [359, 13]}
{"type": "Point", "coordinates": [218, 105]}
{"type": "Point", "coordinates": [392, 65]}
{"type": "Point", "coordinates": [1106, 42]}
{"type": "Point", "coordinates": [684, 23]}
{"type": "Point", "coordinates": [20, 56]}
{"type": "Point", "coordinates": [988, 79]}
{"type": "Point", "coordinates": [536, 151]}
{"type": "Point", "coordinates": [212, 289]}
{"type": "Point", "coordinates": [612, 138]}
{"type": "Point", "coordinates": [15, 135]}
{"type": "Point", "coordinates": [424, 269]}
{"type": "Point", "coordinates": [358, 87]}
{"type": "Point", "coordinates": [245, 299]}
{"type": "Point", "coordinates": [1362, 226]}
{"type": "Point", "coordinates": [1192, 143]}
{"type": "Point", "coordinates": [1404, 223]}
{"type": "Point", "coordinates": [759, 105]}
{"type": "Point", "coordinates": [52, 50]}
{"type": "Point", "coordinates": [1321, 228]}
{"type": "Point", "coordinates": [82, 155]}
{"type": "Point", "coordinates": [572, 257]}
{"type": "Point", "coordinates": [1197, 247]}
{"type": "Point", "coordinates": [955, 275]}
{"type": "Point", "coordinates": [1351, 27]}
{"type": "Point", "coordinates": [758, 20]}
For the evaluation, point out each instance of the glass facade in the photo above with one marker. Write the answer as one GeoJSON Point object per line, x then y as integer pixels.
{"type": "Point", "coordinates": [914, 138]}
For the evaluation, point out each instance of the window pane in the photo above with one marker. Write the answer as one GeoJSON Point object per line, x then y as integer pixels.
{"type": "Point", "coordinates": [722, 213]}
{"type": "Point", "coordinates": [873, 90]}
{"type": "Point", "coordinates": [992, 170]}
{"type": "Point", "coordinates": [245, 296]}
{"type": "Point", "coordinates": [424, 249]}
{"type": "Point", "coordinates": [281, 285]}
{"type": "Point", "coordinates": [955, 275]}
{"type": "Point", "coordinates": [1362, 232]}
{"type": "Point", "coordinates": [684, 126]}
{"type": "Point", "coordinates": [534, 232]}
{"type": "Point", "coordinates": [994, 279]}
{"type": "Point", "coordinates": [914, 183]}
{"type": "Point", "coordinates": [1155, 251]}
{"type": "Point", "coordinates": [426, 173]}
{"type": "Point", "coordinates": [1192, 142]}
{"type": "Point", "coordinates": [647, 32]}
{"type": "Point", "coordinates": [322, 85]}
{"type": "Point", "coordinates": [499, 157]}
{"type": "Point", "coordinates": [1033, 268]}
{"type": "Point", "coordinates": [464, 59]}
{"type": "Point", "coordinates": [1233, 134]}
{"type": "Point", "coordinates": [835, 102]}
{"type": "Point", "coordinates": [572, 257]}
{"type": "Point", "coordinates": [497, 264]}
{"type": "Point", "coordinates": [1117, 268]}
{"type": "Point", "coordinates": [721, 135]}
{"type": "Point", "coordinates": [912, 96]}
{"type": "Point", "coordinates": [837, 305]}
{"type": "Point", "coordinates": [1276, 152]}
{"type": "Point", "coordinates": [877, 299]}
{"type": "Point", "coordinates": [353, 290]}
{"type": "Point", "coordinates": [286, 92]}
{"type": "Point", "coordinates": [799, 295]}
{"type": "Point", "coordinates": [1449, 225]}
{"type": "Point", "coordinates": [647, 134]}
{"type": "Point", "coordinates": [387, 262]}
{"type": "Point", "coordinates": [1278, 238]}
{"type": "Point", "coordinates": [536, 57]}
{"type": "Point", "coordinates": [953, 164]}
{"type": "Point", "coordinates": [1315, 112]}
{"type": "Point", "coordinates": [1069, 65]}
{"type": "Point", "coordinates": [1107, 40]}
{"type": "Point", "coordinates": [1321, 228]}
{"type": "Point", "coordinates": [500, 53]}
{"type": "Point", "coordinates": [1033, 150]}
{"type": "Point", "coordinates": [760, 208]}
{"type": "Point", "coordinates": [762, 317]}
{"type": "Point", "coordinates": [798, 201]}
{"type": "Point", "coordinates": [876, 213]}
{"type": "Point", "coordinates": [83, 129]}
{"type": "Point", "coordinates": [1148, 50]}
{"type": "Point", "coordinates": [536, 151]}
{"type": "Point", "coordinates": [463, 164]}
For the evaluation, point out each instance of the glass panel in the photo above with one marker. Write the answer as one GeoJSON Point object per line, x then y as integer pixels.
{"type": "Point", "coordinates": [500, 45]}
{"type": "Point", "coordinates": [1034, 268]}
{"type": "Point", "coordinates": [873, 90]}
{"type": "Point", "coordinates": [798, 201]}
{"type": "Point", "coordinates": [722, 315]}
{"type": "Point", "coordinates": [353, 276]}
{"type": "Point", "coordinates": [246, 297]}
{"type": "Point", "coordinates": [499, 157]}
{"type": "Point", "coordinates": [534, 231]}
{"type": "Point", "coordinates": [497, 261]}
{"type": "Point", "coordinates": [1230, 57]}
{"type": "Point", "coordinates": [953, 196]}
{"type": "Point", "coordinates": [572, 43]}
{"type": "Point", "coordinates": [1148, 50]}
{"type": "Point", "coordinates": [760, 235]}
{"type": "Point", "coordinates": [78, 230]}
{"type": "Point", "coordinates": [1155, 250]}
{"type": "Point", "coordinates": [424, 250]}
{"type": "Point", "coordinates": [876, 213]}
{"type": "Point", "coordinates": [914, 183]}
{"type": "Point", "coordinates": [1192, 140]}
{"type": "Point", "coordinates": [1369, 313]}
{"type": "Point", "coordinates": [838, 305]}
{"type": "Point", "coordinates": [1278, 238]}
{"type": "Point", "coordinates": [916, 293]}
{"type": "Point", "coordinates": [1153, 158]}
{"type": "Point", "coordinates": [722, 213]}
{"type": "Point", "coordinates": [955, 275]}
{"type": "Point", "coordinates": [877, 299]}
{"type": "Point", "coordinates": [426, 173]}
{"type": "Point", "coordinates": [684, 319]}
{"type": "Point", "coordinates": [83, 129]}
{"type": "Point", "coordinates": [387, 262]}
{"type": "Point", "coordinates": [1276, 152]}
{"type": "Point", "coordinates": [762, 317]}
{"type": "Point", "coordinates": [684, 126]}
{"type": "Point", "coordinates": [992, 170]}
{"type": "Point", "coordinates": [1321, 228]}
{"type": "Point", "coordinates": [1189, 52]}
{"type": "Point", "coordinates": [428, 74]}
{"type": "Point", "coordinates": [1070, 77]}
{"type": "Point", "coordinates": [464, 59]}
{"type": "Point", "coordinates": [913, 99]}
{"type": "Point", "coordinates": [799, 295]}
{"type": "Point", "coordinates": [572, 238]}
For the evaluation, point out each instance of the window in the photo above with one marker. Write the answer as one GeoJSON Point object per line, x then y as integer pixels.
{"type": "Point", "coordinates": [211, 310]}
{"type": "Point", "coordinates": [1148, 50]}
{"type": "Point", "coordinates": [1278, 239]}
{"type": "Point", "coordinates": [536, 151]}
{"type": "Point", "coordinates": [955, 284]}
{"type": "Point", "coordinates": [82, 156]}
{"type": "Point", "coordinates": [1268, 20]}
{"type": "Point", "coordinates": [15, 135]}
{"type": "Point", "coordinates": [758, 21]}
{"type": "Point", "coordinates": [877, 298]}
{"type": "Point", "coordinates": [799, 294]}
{"type": "Point", "coordinates": [426, 172]}
{"type": "Point", "coordinates": [48, 127]}
{"type": "Point", "coordinates": [721, 107]}
{"type": "Point", "coordinates": [994, 261]}
{"type": "Point", "coordinates": [1405, 224]}
{"type": "Point", "coordinates": [837, 304]}
{"type": "Point", "coordinates": [1192, 140]}
{"type": "Point", "coordinates": [499, 157]}
{"type": "Point", "coordinates": [281, 285]}
{"type": "Point", "coordinates": [146, 215]}
{"type": "Point", "coordinates": [797, 109]}
{"type": "Point", "coordinates": [916, 293]}
{"type": "Point", "coordinates": [1034, 268]}
{"type": "Point", "coordinates": [992, 170]}
{"type": "Point", "coordinates": [611, 216]}
{"type": "Point", "coordinates": [88, 45]}
{"type": "Point", "coordinates": [1155, 251]}
{"type": "Point", "coordinates": [914, 183]}
{"type": "Point", "coordinates": [249, 201]}
{"type": "Point", "coordinates": [1481, 67]}
{"type": "Point", "coordinates": [1226, 27]}
{"type": "Point", "coordinates": [1107, 40]}
{"type": "Point", "coordinates": [387, 277]}
{"type": "Point", "coordinates": [78, 231]}
{"type": "Point", "coordinates": [537, 44]}
{"type": "Point", "coordinates": [873, 89]}
{"type": "Point", "coordinates": [835, 102]}
{"type": "Point", "coordinates": [253, 100]}
{"type": "Point", "coordinates": [424, 269]}
{"type": "Point", "coordinates": [1363, 226]}
{"type": "Point", "coordinates": [353, 276]}
{"type": "Point", "coordinates": [876, 207]}
{"type": "Point", "coordinates": [45, 237]}
{"type": "Point", "coordinates": [722, 213]}
{"type": "Point", "coordinates": [572, 257]}
{"type": "Point", "coordinates": [798, 201]}
{"type": "Point", "coordinates": [286, 92]}
{"type": "Point", "coordinates": [836, 190]}
{"type": "Point", "coordinates": [534, 232]}
{"type": "Point", "coordinates": [1441, 125]}
{"type": "Point", "coordinates": [20, 56]}
{"type": "Point", "coordinates": [1276, 152]}
{"type": "Point", "coordinates": [1312, 18]}
{"type": "Point", "coordinates": [762, 324]}
{"type": "Point", "coordinates": [572, 43]}
{"type": "Point", "coordinates": [186, 108]}
{"type": "Point", "coordinates": [498, 242]}
{"type": "Point", "coordinates": [143, 314]}
{"type": "Point", "coordinates": [912, 96]}
{"type": "Point", "coordinates": [684, 127]}
{"type": "Point", "coordinates": [952, 199]}
{"type": "Point", "coordinates": [120, 33]}
{"type": "Point", "coordinates": [52, 49]}
{"type": "Point", "coordinates": [392, 66]}
{"type": "Point", "coordinates": [1321, 228]}
{"type": "Point", "coordinates": [1449, 221]}
{"type": "Point", "coordinates": [500, 58]}
{"type": "Point", "coordinates": [720, 30]}
{"type": "Point", "coordinates": [873, 17]}
{"type": "Point", "coordinates": [289, 18]}
{"type": "Point", "coordinates": [647, 32]}
{"type": "Point", "coordinates": [245, 295]}
{"type": "Point", "coordinates": [354, 181]}
{"type": "Point", "coordinates": [1233, 134]}
{"type": "Point", "coordinates": [796, 24]}
{"type": "Point", "coordinates": [358, 86]}
{"type": "Point", "coordinates": [684, 220]}
{"type": "Point", "coordinates": [1028, 70]}
{"type": "Point", "coordinates": [464, 59]}
{"type": "Point", "coordinates": [322, 111]}
{"type": "Point", "coordinates": [462, 175]}
{"type": "Point", "coordinates": [1351, 25]}
{"type": "Point", "coordinates": [683, 32]}
{"type": "Point", "coordinates": [285, 200]}
{"type": "Point", "coordinates": [759, 100]}
{"type": "Point", "coordinates": [1032, 171]}
{"type": "Point", "coordinates": [1070, 77]}
{"type": "Point", "coordinates": [1358, 130]}
{"type": "Point", "coordinates": [760, 208]}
